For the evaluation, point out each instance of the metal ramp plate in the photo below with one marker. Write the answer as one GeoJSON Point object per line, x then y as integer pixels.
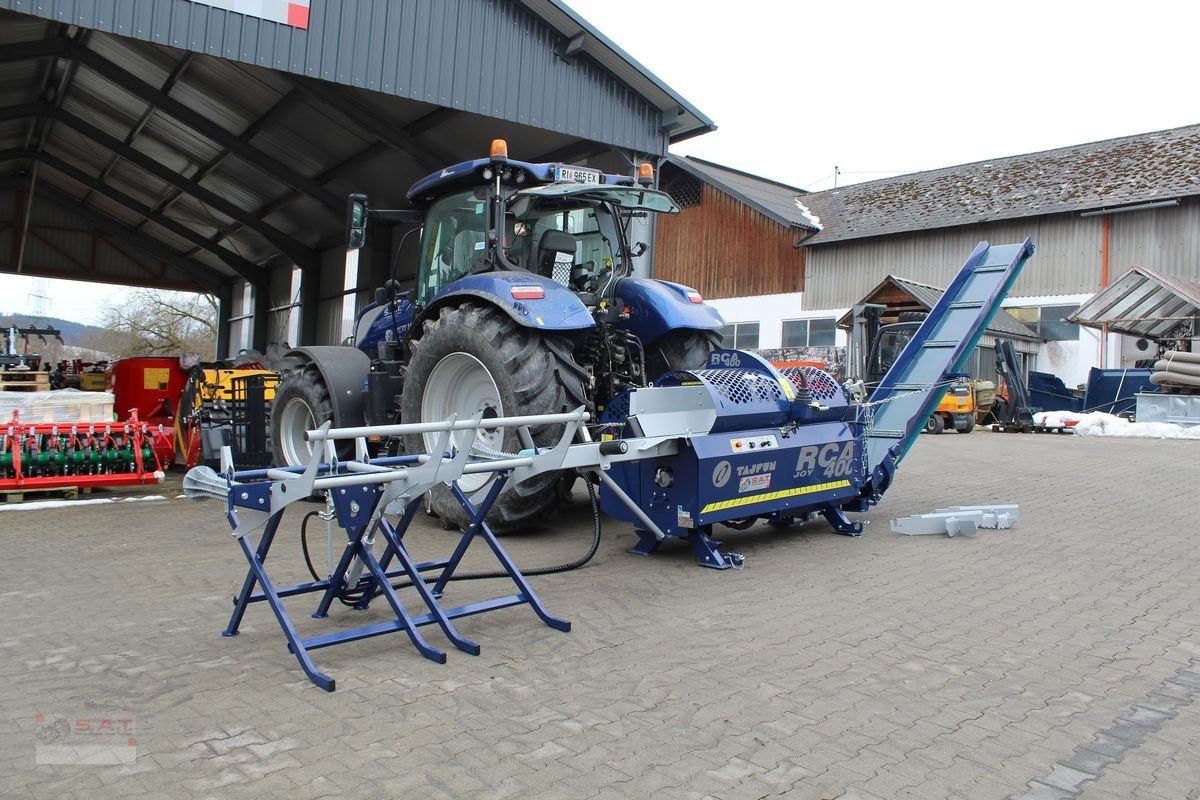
{"type": "Point", "coordinates": [942, 344]}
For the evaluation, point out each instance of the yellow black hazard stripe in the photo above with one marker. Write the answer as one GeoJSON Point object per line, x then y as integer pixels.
{"type": "Point", "coordinates": [767, 497]}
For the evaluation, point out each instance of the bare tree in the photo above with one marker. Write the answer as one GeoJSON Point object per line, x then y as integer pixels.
{"type": "Point", "coordinates": [150, 322]}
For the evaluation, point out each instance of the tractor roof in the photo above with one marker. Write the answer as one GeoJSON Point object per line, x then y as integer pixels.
{"type": "Point", "coordinates": [470, 173]}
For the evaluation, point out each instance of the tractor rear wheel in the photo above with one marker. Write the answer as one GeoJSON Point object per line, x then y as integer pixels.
{"type": "Point", "coordinates": [935, 423]}
{"type": "Point", "coordinates": [474, 360]}
{"type": "Point", "coordinates": [680, 349]}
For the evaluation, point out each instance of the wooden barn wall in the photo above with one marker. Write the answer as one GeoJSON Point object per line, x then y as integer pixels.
{"type": "Point", "coordinates": [724, 248]}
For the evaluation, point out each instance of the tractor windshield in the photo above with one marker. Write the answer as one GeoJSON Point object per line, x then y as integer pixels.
{"type": "Point", "coordinates": [569, 233]}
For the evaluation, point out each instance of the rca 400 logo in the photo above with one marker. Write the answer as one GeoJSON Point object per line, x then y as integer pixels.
{"type": "Point", "coordinates": [833, 460]}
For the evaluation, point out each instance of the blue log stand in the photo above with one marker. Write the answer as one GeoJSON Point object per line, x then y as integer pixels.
{"type": "Point", "coordinates": [355, 509]}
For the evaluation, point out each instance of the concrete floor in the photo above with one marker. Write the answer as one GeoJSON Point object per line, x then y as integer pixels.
{"type": "Point", "coordinates": [1057, 659]}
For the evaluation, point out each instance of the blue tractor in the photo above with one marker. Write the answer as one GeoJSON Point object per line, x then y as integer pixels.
{"type": "Point", "coordinates": [525, 303]}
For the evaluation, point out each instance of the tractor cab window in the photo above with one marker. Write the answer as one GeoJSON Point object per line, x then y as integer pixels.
{"type": "Point", "coordinates": [453, 239]}
{"type": "Point", "coordinates": [553, 238]}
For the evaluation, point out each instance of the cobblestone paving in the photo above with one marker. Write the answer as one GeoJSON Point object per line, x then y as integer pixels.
{"type": "Point", "coordinates": [1058, 659]}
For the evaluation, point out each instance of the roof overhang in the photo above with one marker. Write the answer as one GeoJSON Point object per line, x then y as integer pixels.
{"type": "Point", "coordinates": [922, 297]}
{"type": "Point", "coordinates": [687, 165]}
{"type": "Point", "coordinates": [681, 119]}
{"type": "Point", "coordinates": [1142, 303]}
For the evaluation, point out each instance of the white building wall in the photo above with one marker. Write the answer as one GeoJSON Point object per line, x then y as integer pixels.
{"type": "Point", "coordinates": [770, 311]}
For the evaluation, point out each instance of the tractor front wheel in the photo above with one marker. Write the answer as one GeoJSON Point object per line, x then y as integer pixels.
{"type": "Point", "coordinates": [473, 361]}
{"type": "Point", "coordinates": [301, 404]}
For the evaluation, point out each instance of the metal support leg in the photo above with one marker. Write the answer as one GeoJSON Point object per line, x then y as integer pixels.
{"type": "Point", "coordinates": [409, 625]}
{"type": "Point", "coordinates": [396, 548]}
{"type": "Point", "coordinates": [337, 580]}
{"type": "Point", "coordinates": [485, 532]}
{"type": "Point", "coordinates": [258, 574]}
{"type": "Point", "coordinates": [647, 543]}
{"type": "Point", "coordinates": [389, 552]}
{"type": "Point", "coordinates": [708, 553]}
{"type": "Point", "coordinates": [840, 522]}
{"type": "Point", "coordinates": [254, 557]}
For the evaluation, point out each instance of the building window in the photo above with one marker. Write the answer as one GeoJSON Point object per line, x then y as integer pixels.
{"type": "Point", "coordinates": [740, 336]}
{"type": "Point", "coordinates": [809, 332]}
{"type": "Point", "coordinates": [1049, 322]}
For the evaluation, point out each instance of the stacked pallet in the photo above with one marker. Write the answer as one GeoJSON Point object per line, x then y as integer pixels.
{"type": "Point", "coordinates": [58, 406]}
{"type": "Point", "coordinates": [29, 380]}
{"type": "Point", "coordinates": [1178, 371]}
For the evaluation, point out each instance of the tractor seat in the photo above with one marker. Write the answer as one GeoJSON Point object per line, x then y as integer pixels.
{"type": "Point", "coordinates": [556, 256]}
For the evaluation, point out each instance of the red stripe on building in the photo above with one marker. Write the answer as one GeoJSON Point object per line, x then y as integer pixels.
{"type": "Point", "coordinates": [298, 15]}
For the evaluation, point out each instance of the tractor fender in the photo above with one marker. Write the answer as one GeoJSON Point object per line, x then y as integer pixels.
{"type": "Point", "coordinates": [656, 307]}
{"type": "Point", "coordinates": [344, 370]}
{"type": "Point", "coordinates": [558, 310]}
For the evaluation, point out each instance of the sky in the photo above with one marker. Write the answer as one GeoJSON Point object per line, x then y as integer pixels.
{"type": "Point", "coordinates": [880, 88]}
{"type": "Point", "coordinates": [885, 88]}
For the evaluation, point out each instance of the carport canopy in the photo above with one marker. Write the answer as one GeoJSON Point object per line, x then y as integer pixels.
{"type": "Point", "coordinates": [127, 161]}
{"type": "Point", "coordinates": [1143, 303]}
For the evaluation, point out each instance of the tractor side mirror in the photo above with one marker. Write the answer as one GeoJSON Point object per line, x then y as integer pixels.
{"type": "Point", "coordinates": [356, 221]}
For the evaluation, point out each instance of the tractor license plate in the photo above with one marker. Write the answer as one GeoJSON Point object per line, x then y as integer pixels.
{"type": "Point", "coordinates": [576, 175]}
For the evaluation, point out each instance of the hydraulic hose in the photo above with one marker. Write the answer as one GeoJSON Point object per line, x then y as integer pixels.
{"type": "Point", "coordinates": [350, 598]}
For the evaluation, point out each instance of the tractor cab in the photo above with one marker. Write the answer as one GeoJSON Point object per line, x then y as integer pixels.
{"type": "Point", "coordinates": [565, 224]}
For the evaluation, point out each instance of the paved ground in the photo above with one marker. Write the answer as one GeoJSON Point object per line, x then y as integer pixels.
{"type": "Point", "coordinates": [1018, 663]}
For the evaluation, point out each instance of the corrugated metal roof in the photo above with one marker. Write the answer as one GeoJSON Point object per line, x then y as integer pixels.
{"type": "Point", "coordinates": [785, 204]}
{"type": "Point", "coordinates": [1130, 170]}
{"type": "Point", "coordinates": [1003, 325]}
{"type": "Point", "coordinates": [1143, 303]}
{"type": "Point", "coordinates": [532, 62]}
{"type": "Point", "coordinates": [220, 140]}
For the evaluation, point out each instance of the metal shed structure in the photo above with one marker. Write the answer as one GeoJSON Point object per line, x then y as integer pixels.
{"type": "Point", "coordinates": [901, 295]}
{"type": "Point", "coordinates": [176, 144]}
{"type": "Point", "coordinates": [1147, 304]}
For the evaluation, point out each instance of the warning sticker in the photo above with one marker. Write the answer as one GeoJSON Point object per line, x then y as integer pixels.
{"type": "Point", "coordinates": [754, 483]}
{"type": "Point", "coordinates": [156, 378]}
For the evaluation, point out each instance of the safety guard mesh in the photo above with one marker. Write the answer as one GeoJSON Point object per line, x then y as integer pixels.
{"type": "Point", "coordinates": [742, 386]}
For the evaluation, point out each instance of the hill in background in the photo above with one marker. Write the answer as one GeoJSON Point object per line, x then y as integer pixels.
{"type": "Point", "coordinates": [75, 334]}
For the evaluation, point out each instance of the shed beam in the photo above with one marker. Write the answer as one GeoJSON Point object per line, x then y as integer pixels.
{"type": "Point", "coordinates": [25, 51]}
{"type": "Point", "coordinates": [224, 305]}
{"type": "Point", "coordinates": [247, 269]}
{"type": "Point", "coordinates": [426, 155]}
{"type": "Point", "coordinates": [24, 111]}
{"type": "Point", "coordinates": [281, 201]}
{"type": "Point", "coordinates": [576, 151]}
{"type": "Point", "coordinates": [431, 120]}
{"type": "Point", "coordinates": [169, 84]}
{"type": "Point", "coordinates": [220, 157]}
{"type": "Point", "coordinates": [206, 127]}
{"type": "Point", "coordinates": [287, 245]}
{"type": "Point", "coordinates": [205, 277]}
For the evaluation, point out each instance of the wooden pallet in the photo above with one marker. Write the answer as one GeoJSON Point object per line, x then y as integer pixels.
{"type": "Point", "coordinates": [1065, 429]}
{"type": "Point", "coordinates": [24, 381]}
{"type": "Point", "coordinates": [65, 492]}
{"type": "Point", "coordinates": [1027, 427]}
{"type": "Point", "coordinates": [1016, 427]}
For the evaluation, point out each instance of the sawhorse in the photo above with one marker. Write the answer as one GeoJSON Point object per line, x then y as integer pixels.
{"type": "Point", "coordinates": [355, 509]}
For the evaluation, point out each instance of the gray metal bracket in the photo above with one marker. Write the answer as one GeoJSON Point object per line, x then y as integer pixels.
{"type": "Point", "coordinates": [957, 520]}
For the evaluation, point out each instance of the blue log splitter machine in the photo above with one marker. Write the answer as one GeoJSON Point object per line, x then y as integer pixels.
{"type": "Point", "coordinates": [732, 443]}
